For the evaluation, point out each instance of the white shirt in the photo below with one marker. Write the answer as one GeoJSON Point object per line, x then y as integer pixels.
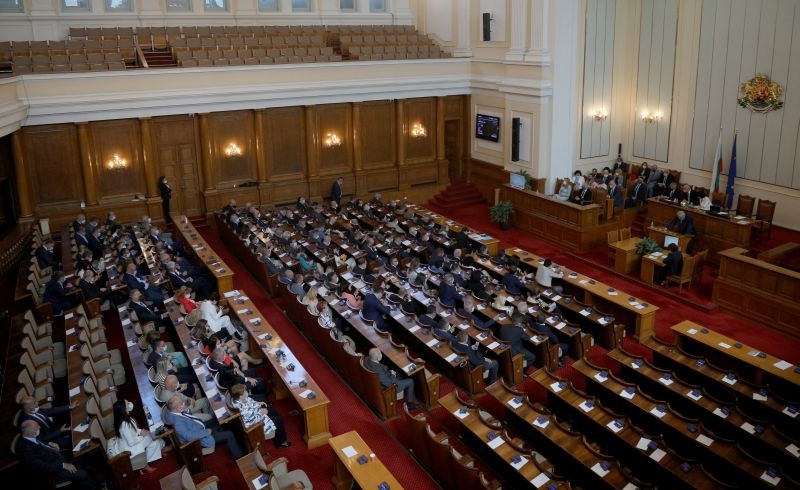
{"type": "Point", "coordinates": [545, 275]}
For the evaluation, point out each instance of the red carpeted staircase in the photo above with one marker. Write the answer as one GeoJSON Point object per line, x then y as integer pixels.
{"type": "Point", "coordinates": [458, 194]}
{"type": "Point", "coordinates": [159, 58]}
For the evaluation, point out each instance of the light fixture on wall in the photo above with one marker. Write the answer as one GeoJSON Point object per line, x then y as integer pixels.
{"type": "Point", "coordinates": [116, 162]}
{"type": "Point", "coordinates": [599, 115]}
{"type": "Point", "coordinates": [233, 150]}
{"type": "Point", "coordinates": [332, 140]}
{"type": "Point", "coordinates": [418, 130]}
{"type": "Point", "coordinates": [651, 117]}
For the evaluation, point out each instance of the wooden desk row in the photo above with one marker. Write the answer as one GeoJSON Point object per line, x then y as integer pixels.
{"type": "Point", "coordinates": [196, 244]}
{"type": "Point", "coordinates": [765, 293]}
{"type": "Point", "coordinates": [293, 379]}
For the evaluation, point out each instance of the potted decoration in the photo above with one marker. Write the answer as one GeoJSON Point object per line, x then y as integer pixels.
{"type": "Point", "coordinates": [500, 213]}
{"type": "Point", "coordinates": [646, 246]}
{"type": "Point", "coordinates": [527, 179]}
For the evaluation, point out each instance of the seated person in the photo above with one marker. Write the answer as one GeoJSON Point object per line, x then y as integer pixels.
{"type": "Point", "coordinates": [352, 297]}
{"type": "Point", "coordinates": [188, 428]}
{"type": "Point", "coordinates": [184, 297]}
{"type": "Point", "coordinates": [672, 193]}
{"type": "Point", "coordinates": [468, 312]}
{"type": "Point", "coordinates": [199, 284]}
{"type": "Point", "coordinates": [200, 408]}
{"type": "Point", "coordinates": [448, 295]}
{"type": "Point", "coordinates": [253, 412]}
{"type": "Point", "coordinates": [514, 333]}
{"type": "Point", "coordinates": [564, 190]}
{"type": "Point", "coordinates": [673, 264]}
{"type": "Point", "coordinates": [217, 320]}
{"type": "Point", "coordinates": [159, 349]}
{"type": "Point", "coordinates": [690, 195]}
{"type": "Point", "coordinates": [43, 459]}
{"type": "Point", "coordinates": [46, 257]}
{"type": "Point", "coordinates": [465, 346]}
{"type": "Point", "coordinates": [50, 431]}
{"type": "Point", "coordinates": [163, 369]}
{"type": "Point", "coordinates": [444, 330]}
{"type": "Point", "coordinates": [55, 293]}
{"type": "Point", "coordinates": [374, 309]}
{"type": "Point", "coordinates": [133, 439]}
{"type": "Point", "coordinates": [91, 289]}
{"type": "Point", "coordinates": [389, 377]}
{"type": "Point", "coordinates": [296, 286]}
{"type": "Point", "coordinates": [511, 282]}
{"type": "Point", "coordinates": [540, 326]}
{"type": "Point", "coordinates": [152, 293]}
{"type": "Point", "coordinates": [231, 373]}
{"type": "Point", "coordinates": [545, 274]}
{"type": "Point", "coordinates": [146, 313]}
{"type": "Point", "coordinates": [583, 195]}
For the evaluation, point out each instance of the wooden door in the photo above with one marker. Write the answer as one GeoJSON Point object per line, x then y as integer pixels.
{"type": "Point", "coordinates": [452, 146]}
{"type": "Point", "coordinates": [175, 148]}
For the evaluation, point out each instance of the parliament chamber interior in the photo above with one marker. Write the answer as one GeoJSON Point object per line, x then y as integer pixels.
{"type": "Point", "coordinates": [385, 244]}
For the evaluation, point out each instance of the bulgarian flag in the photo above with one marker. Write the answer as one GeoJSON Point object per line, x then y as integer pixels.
{"type": "Point", "coordinates": [716, 169]}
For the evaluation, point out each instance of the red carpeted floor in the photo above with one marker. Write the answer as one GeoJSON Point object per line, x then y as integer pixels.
{"type": "Point", "coordinates": [673, 308]}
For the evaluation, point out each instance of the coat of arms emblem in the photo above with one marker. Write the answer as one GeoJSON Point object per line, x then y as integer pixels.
{"type": "Point", "coordinates": [760, 94]}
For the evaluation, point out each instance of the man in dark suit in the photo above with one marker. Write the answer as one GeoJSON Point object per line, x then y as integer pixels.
{"type": "Point", "coordinates": [673, 193]}
{"type": "Point", "coordinates": [468, 312]}
{"type": "Point", "coordinates": [673, 264]}
{"type": "Point", "coordinates": [133, 281]}
{"type": "Point", "coordinates": [637, 194]}
{"type": "Point", "coordinates": [199, 284]}
{"type": "Point", "coordinates": [664, 181]}
{"type": "Point", "coordinates": [682, 223]}
{"type": "Point", "coordinates": [44, 459]}
{"type": "Point", "coordinates": [443, 330]}
{"type": "Point", "coordinates": [50, 431]}
{"type": "Point", "coordinates": [463, 345]}
{"type": "Point", "coordinates": [389, 377]}
{"type": "Point", "coordinates": [511, 282]}
{"type": "Point", "coordinates": [615, 193]}
{"type": "Point", "coordinates": [55, 293]}
{"type": "Point", "coordinates": [448, 295]}
{"type": "Point", "coordinates": [145, 313]}
{"type": "Point", "coordinates": [583, 196]}
{"type": "Point", "coordinates": [96, 243]}
{"type": "Point", "coordinates": [513, 333]}
{"type": "Point", "coordinates": [231, 373]}
{"type": "Point", "coordinates": [690, 195]}
{"type": "Point", "coordinates": [336, 191]}
{"type": "Point", "coordinates": [91, 289]}
{"type": "Point", "coordinates": [373, 309]}
{"type": "Point", "coordinates": [46, 256]}
{"type": "Point", "coordinates": [81, 238]}
{"type": "Point", "coordinates": [79, 221]}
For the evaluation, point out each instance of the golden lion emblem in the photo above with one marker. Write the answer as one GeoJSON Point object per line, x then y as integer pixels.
{"type": "Point", "coordinates": [761, 94]}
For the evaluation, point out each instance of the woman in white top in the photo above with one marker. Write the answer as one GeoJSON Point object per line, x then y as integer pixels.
{"type": "Point", "coordinates": [131, 438]}
{"type": "Point", "coordinates": [578, 180]}
{"type": "Point", "coordinates": [212, 313]}
{"type": "Point", "coordinates": [564, 190]}
{"type": "Point", "coordinates": [253, 412]}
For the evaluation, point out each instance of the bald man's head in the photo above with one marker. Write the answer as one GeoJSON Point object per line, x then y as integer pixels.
{"type": "Point", "coordinates": [30, 428]}
{"type": "Point", "coordinates": [28, 403]}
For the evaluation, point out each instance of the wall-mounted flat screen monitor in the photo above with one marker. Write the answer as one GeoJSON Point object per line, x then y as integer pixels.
{"type": "Point", "coordinates": [517, 181]}
{"type": "Point", "coordinates": [670, 239]}
{"type": "Point", "coordinates": [487, 127]}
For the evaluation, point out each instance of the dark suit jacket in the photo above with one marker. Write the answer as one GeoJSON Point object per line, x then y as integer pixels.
{"type": "Point", "coordinates": [176, 279]}
{"type": "Point", "coordinates": [45, 258]}
{"type": "Point", "coordinates": [673, 194]}
{"type": "Point", "coordinates": [50, 429]}
{"type": "Point", "coordinates": [373, 309]}
{"type": "Point", "coordinates": [145, 313]}
{"type": "Point", "coordinates": [513, 335]}
{"type": "Point", "coordinates": [685, 227]}
{"type": "Point", "coordinates": [674, 262]}
{"type": "Point", "coordinates": [692, 196]}
{"type": "Point", "coordinates": [616, 195]}
{"type": "Point", "coordinates": [95, 246]}
{"type": "Point", "coordinates": [38, 458]}
{"type": "Point", "coordinates": [227, 376]}
{"type": "Point", "coordinates": [336, 192]}
{"type": "Point", "coordinates": [475, 357]}
{"type": "Point", "coordinates": [384, 375]}
{"type": "Point", "coordinates": [90, 291]}
{"type": "Point", "coordinates": [56, 294]}
{"type": "Point", "coordinates": [584, 196]}
{"type": "Point", "coordinates": [448, 294]}
{"type": "Point", "coordinates": [512, 283]}
{"type": "Point", "coordinates": [81, 240]}
{"type": "Point", "coordinates": [637, 194]}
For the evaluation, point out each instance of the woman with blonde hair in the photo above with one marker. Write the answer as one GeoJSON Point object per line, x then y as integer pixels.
{"type": "Point", "coordinates": [310, 297]}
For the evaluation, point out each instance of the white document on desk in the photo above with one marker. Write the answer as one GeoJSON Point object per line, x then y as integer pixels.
{"type": "Point", "coordinates": [349, 451]}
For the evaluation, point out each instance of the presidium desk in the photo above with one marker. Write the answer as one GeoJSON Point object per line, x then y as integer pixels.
{"type": "Point", "coordinates": [573, 226]}
{"type": "Point", "coordinates": [715, 232]}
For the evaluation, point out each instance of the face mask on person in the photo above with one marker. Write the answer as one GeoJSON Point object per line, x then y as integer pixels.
{"type": "Point", "coordinates": [129, 407]}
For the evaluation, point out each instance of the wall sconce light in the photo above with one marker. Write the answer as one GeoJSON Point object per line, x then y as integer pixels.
{"type": "Point", "coordinates": [599, 115]}
{"type": "Point", "coordinates": [233, 150]}
{"type": "Point", "coordinates": [331, 140]}
{"type": "Point", "coordinates": [418, 131]}
{"type": "Point", "coordinates": [651, 117]}
{"type": "Point", "coordinates": [116, 162]}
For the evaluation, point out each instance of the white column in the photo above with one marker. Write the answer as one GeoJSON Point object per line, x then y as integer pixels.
{"type": "Point", "coordinates": [539, 49]}
{"type": "Point", "coordinates": [362, 6]}
{"type": "Point", "coordinates": [464, 38]}
{"type": "Point", "coordinates": [565, 110]}
{"type": "Point", "coordinates": [516, 45]}
{"type": "Point", "coordinates": [285, 6]}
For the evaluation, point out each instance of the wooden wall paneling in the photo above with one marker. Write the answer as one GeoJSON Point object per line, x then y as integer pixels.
{"type": "Point", "coordinates": [420, 111]}
{"type": "Point", "coordinates": [285, 142]}
{"type": "Point", "coordinates": [233, 128]}
{"type": "Point", "coordinates": [22, 180]}
{"type": "Point", "coordinates": [54, 181]}
{"type": "Point", "coordinates": [487, 177]}
{"type": "Point", "coordinates": [120, 137]}
{"type": "Point", "coordinates": [87, 164]}
{"type": "Point", "coordinates": [175, 155]}
{"type": "Point", "coordinates": [454, 106]}
{"type": "Point", "coordinates": [377, 134]}
{"type": "Point", "coordinates": [334, 119]}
